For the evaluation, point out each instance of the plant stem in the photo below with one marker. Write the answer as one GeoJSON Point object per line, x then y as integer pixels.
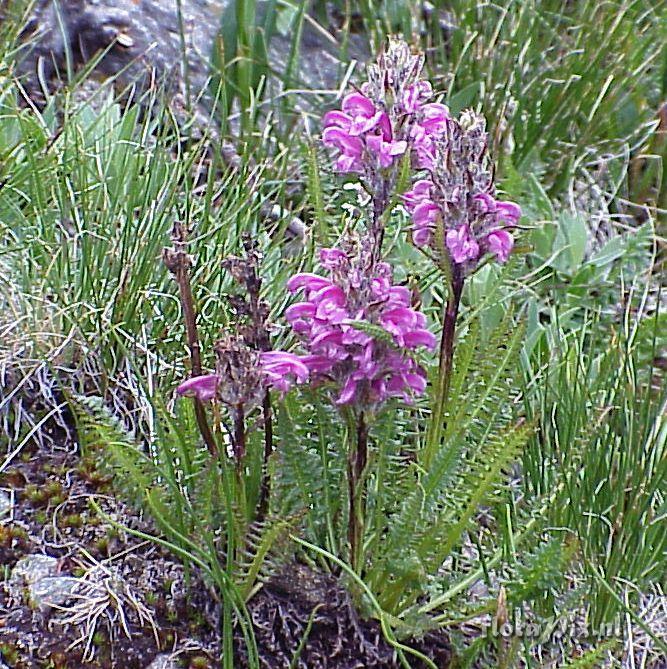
{"type": "Point", "coordinates": [445, 366]}
{"type": "Point", "coordinates": [239, 434]}
{"type": "Point", "coordinates": [177, 262]}
{"type": "Point", "coordinates": [449, 330]}
{"type": "Point", "coordinates": [265, 487]}
{"type": "Point", "coordinates": [356, 465]}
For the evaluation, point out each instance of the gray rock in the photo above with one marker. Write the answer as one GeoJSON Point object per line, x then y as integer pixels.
{"type": "Point", "coordinates": [5, 506]}
{"type": "Point", "coordinates": [35, 578]}
{"type": "Point", "coordinates": [142, 42]}
{"type": "Point", "coordinates": [33, 568]}
{"type": "Point", "coordinates": [52, 591]}
{"type": "Point", "coordinates": [163, 661]}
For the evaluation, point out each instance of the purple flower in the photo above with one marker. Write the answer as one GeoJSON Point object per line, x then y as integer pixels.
{"type": "Point", "coordinates": [385, 151]}
{"type": "Point", "coordinates": [204, 388]}
{"type": "Point", "coordinates": [300, 310]}
{"type": "Point", "coordinates": [359, 115]}
{"type": "Point", "coordinates": [500, 243]}
{"type": "Point", "coordinates": [342, 140]}
{"type": "Point", "coordinates": [423, 147]}
{"type": "Point", "coordinates": [415, 95]}
{"type": "Point", "coordinates": [416, 338]}
{"type": "Point", "coordinates": [508, 213]}
{"type": "Point", "coordinates": [282, 368]}
{"type": "Point", "coordinates": [332, 258]}
{"type": "Point", "coordinates": [377, 123]}
{"type": "Point", "coordinates": [425, 213]}
{"type": "Point", "coordinates": [308, 281]}
{"type": "Point", "coordinates": [456, 204]}
{"type": "Point", "coordinates": [337, 119]}
{"type": "Point", "coordinates": [461, 245]}
{"type": "Point", "coordinates": [434, 118]}
{"type": "Point", "coordinates": [420, 192]}
{"type": "Point", "coordinates": [485, 203]}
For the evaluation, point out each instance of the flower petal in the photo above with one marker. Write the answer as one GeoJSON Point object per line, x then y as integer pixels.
{"type": "Point", "coordinates": [204, 387]}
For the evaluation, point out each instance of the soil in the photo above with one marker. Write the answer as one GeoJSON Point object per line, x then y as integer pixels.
{"type": "Point", "coordinates": [52, 516]}
{"type": "Point", "coordinates": [301, 604]}
{"type": "Point", "coordinates": [154, 611]}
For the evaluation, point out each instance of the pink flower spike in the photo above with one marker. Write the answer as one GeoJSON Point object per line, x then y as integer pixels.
{"type": "Point", "coordinates": [508, 213]}
{"type": "Point", "coordinates": [500, 242]}
{"type": "Point", "coordinates": [204, 388]}
{"type": "Point", "coordinates": [461, 245]}
{"type": "Point", "coordinates": [308, 281]}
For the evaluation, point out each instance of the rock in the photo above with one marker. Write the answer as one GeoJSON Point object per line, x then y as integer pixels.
{"type": "Point", "coordinates": [36, 578]}
{"type": "Point", "coordinates": [52, 591]}
{"type": "Point", "coordinates": [5, 505]}
{"type": "Point", "coordinates": [142, 43]}
{"type": "Point", "coordinates": [163, 661]}
{"type": "Point", "coordinates": [33, 568]}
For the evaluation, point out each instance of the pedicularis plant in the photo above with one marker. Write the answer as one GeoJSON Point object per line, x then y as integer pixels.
{"type": "Point", "coordinates": [363, 343]}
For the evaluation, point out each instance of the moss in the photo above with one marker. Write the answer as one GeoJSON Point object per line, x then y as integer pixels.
{"type": "Point", "coordinates": [10, 534]}
{"type": "Point", "coordinates": [12, 478]}
{"type": "Point", "coordinates": [101, 545]}
{"type": "Point", "coordinates": [72, 520]}
{"type": "Point", "coordinates": [53, 488]}
{"type": "Point", "coordinates": [9, 653]}
{"type": "Point", "coordinates": [167, 585]}
{"type": "Point", "coordinates": [35, 495]}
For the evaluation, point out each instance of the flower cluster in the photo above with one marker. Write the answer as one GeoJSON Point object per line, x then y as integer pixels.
{"type": "Point", "coordinates": [359, 329]}
{"type": "Point", "coordinates": [389, 115]}
{"type": "Point", "coordinates": [456, 208]}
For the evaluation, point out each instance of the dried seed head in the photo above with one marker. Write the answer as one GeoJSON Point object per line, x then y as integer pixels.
{"type": "Point", "coordinates": [241, 378]}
